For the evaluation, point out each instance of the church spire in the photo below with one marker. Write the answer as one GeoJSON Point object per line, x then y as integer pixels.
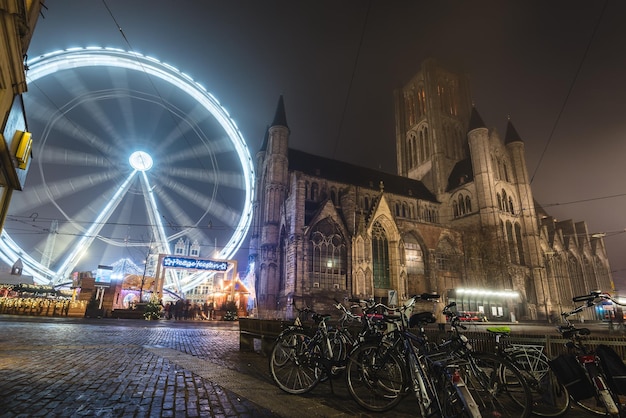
{"type": "Point", "coordinates": [511, 134]}
{"type": "Point", "coordinates": [280, 118]}
{"type": "Point", "coordinates": [475, 120]}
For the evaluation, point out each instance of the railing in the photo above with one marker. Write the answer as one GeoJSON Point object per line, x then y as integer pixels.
{"type": "Point", "coordinates": [554, 344]}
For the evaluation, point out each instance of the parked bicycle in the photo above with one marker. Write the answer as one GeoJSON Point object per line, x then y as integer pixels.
{"type": "Point", "coordinates": [550, 398]}
{"type": "Point", "coordinates": [496, 383]}
{"type": "Point", "coordinates": [448, 379]}
{"type": "Point", "coordinates": [303, 357]}
{"type": "Point", "coordinates": [591, 382]}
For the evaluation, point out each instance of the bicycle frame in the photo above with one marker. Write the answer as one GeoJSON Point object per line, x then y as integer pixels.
{"type": "Point", "coordinates": [586, 359]}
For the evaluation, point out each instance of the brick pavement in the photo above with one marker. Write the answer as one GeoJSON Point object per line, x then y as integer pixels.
{"type": "Point", "coordinates": [63, 367]}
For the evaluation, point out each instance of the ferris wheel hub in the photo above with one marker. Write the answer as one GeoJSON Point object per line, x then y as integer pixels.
{"type": "Point", "coordinates": [140, 161]}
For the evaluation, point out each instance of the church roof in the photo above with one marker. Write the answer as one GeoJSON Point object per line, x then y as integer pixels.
{"type": "Point", "coordinates": [461, 173]}
{"type": "Point", "coordinates": [280, 117]}
{"type": "Point", "coordinates": [511, 134]}
{"type": "Point", "coordinates": [358, 176]}
{"type": "Point", "coordinates": [475, 120]}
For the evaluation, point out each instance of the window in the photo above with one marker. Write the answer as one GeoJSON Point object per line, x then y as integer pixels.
{"type": "Point", "coordinates": [445, 257]}
{"type": "Point", "coordinates": [380, 257]}
{"type": "Point", "coordinates": [327, 253]}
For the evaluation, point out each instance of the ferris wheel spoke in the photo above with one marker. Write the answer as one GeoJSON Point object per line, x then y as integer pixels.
{"type": "Point", "coordinates": [186, 226]}
{"type": "Point", "coordinates": [187, 125]}
{"type": "Point", "coordinates": [84, 96]}
{"type": "Point", "coordinates": [90, 234]}
{"type": "Point", "coordinates": [225, 214]}
{"type": "Point", "coordinates": [119, 80]}
{"type": "Point", "coordinates": [223, 178]}
{"type": "Point", "coordinates": [41, 194]}
{"type": "Point", "coordinates": [72, 157]}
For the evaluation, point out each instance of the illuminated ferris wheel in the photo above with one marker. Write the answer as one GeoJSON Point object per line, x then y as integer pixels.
{"type": "Point", "coordinates": [131, 156]}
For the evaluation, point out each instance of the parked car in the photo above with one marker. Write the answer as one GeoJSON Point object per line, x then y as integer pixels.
{"type": "Point", "coordinates": [472, 316]}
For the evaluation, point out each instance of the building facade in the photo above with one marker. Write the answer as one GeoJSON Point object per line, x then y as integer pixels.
{"type": "Point", "coordinates": [17, 23]}
{"type": "Point", "coordinates": [458, 218]}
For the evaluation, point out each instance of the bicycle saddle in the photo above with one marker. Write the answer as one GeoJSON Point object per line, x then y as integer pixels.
{"type": "Point", "coordinates": [421, 318]}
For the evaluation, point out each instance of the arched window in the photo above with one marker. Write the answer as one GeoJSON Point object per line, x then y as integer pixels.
{"type": "Point", "coordinates": [520, 244]}
{"type": "Point", "coordinates": [511, 205]}
{"type": "Point", "coordinates": [511, 242]}
{"type": "Point", "coordinates": [327, 255]}
{"type": "Point", "coordinates": [414, 256]}
{"type": "Point", "coordinates": [314, 191]}
{"type": "Point", "coordinates": [333, 196]}
{"type": "Point", "coordinates": [499, 201]}
{"type": "Point", "coordinates": [468, 204]}
{"type": "Point", "coordinates": [445, 257]}
{"type": "Point", "coordinates": [380, 257]}
{"type": "Point", "coordinates": [576, 276]}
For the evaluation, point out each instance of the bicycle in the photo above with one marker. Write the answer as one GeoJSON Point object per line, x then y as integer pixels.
{"type": "Point", "coordinates": [581, 370]}
{"type": "Point", "coordinates": [550, 398]}
{"type": "Point", "coordinates": [379, 374]}
{"type": "Point", "coordinates": [301, 357]}
{"type": "Point", "coordinates": [496, 384]}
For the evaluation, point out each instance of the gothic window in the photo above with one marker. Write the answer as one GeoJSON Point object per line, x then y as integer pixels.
{"type": "Point", "coordinates": [397, 206]}
{"type": "Point", "coordinates": [413, 255]}
{"type": "Point", "coordinates": [445, 257]}
{"type": "Point", "coordinates": [591, 277]}
{"type": "Point", "coordinates": [455, 208]}
{"type": "Point", "coordinates": [511, 243]}
{"type": "Point", "coordinates": [380, 257]}
{"type": "Point", "coordinates": [504, 201]}
{"type": "Point", "coordinates": [576, 276]}
{"type": "Point", "coordinates": [327, 255]}
{"type": "Point", "coordinates": [511, 205]}
{"type": "Point", "coordinates": [306, 190]}
{"type": "Point", "coordinates": [468, 204]}
{"type": "Point", "coordinates": [421, 100]}
{"type": "Point", "coordinates": [404, 210]}
{"type": "Point", "coordinates": [461, 205]}
{"type": "Point", "coordinates": [520, 244]}
{"type": "Point", "coordinates": [499, 201]}
{"type": "Point", "coordinates": [314, 191]}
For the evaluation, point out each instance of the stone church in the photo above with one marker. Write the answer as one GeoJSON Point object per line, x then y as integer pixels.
{"type": "Point", "coordinates": [458, 218]}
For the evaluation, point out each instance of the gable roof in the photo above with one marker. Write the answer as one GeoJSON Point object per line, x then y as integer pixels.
{"type": "Point", "coordinates": [358, 176]}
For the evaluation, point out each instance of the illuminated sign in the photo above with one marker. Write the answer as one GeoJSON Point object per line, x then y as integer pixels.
{"type": "Point", "coordinates": [194, 263]}
{"type": "Point", "coordinates": [103, 275]}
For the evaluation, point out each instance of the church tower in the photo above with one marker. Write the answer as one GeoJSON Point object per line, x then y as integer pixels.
{"type": "Point", "coordinates": [432, 113]}
{"type": "Point", "coordinates": [273, 168]}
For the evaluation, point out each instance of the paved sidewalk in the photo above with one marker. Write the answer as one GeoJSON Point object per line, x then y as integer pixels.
{"type": "Point", "coordinates": [63, 367]}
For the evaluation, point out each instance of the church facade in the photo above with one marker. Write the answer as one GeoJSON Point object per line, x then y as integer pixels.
{"type": "Point", "coordinates": [458, 218]}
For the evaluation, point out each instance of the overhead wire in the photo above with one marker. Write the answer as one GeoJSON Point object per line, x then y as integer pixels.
{"type": "Point", "coordinates": [569, 91]}
{"type": "Point", "coordinates": [351, 82]}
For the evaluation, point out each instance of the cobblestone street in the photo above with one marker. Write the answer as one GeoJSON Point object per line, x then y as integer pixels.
{"type": "Point", "coordinates": [63, 367]}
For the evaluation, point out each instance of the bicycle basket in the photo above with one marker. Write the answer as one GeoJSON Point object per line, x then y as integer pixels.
{"type": "Point", "coordinates": [613, 367]}
{"type": "Point", "coordinates": [572, 376]}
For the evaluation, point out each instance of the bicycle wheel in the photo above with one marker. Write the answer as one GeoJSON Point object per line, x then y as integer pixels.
{"type": "Point", "coordinates": [294, 362]}
{"type": "Point", "coordinates": [595, 406]}
{"type": "Point", "coordinates": [496, 385]}
{"type": "Point", "coordinates": [339, 344]}
{"type": "Point", "coordinates": [550, 398]}
{"type": "Point", "coordinates": [375, 377]}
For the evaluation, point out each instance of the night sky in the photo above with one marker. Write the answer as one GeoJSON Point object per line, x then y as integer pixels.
{"type": "Point", "coordinates": [556, 68]}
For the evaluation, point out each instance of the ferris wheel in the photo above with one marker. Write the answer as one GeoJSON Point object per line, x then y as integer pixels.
{"type": "Point", "coordinates": [131, 157]}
